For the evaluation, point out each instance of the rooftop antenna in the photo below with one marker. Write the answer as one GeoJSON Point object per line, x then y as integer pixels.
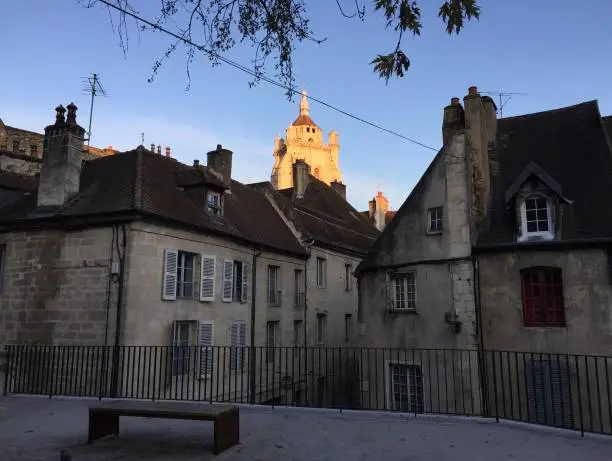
{"type": "Point", "coordinates": [93, 86]}
{"type": "Point", "coordinates": [142, 139]}
{"type": "Point", "coordinates": [503, 98]}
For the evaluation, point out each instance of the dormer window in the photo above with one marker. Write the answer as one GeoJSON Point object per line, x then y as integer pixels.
{"type": "Point", "coordinates": [536, 218]}
{"type": "Point", "coordinates": [213, 203]}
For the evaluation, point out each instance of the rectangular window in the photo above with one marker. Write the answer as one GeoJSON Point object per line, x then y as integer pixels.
{"type": "Point", "coordinates": [237, 285]}
{"type": "Point", "coordinates": [274, 294]}
{"type": "Point", "coordinates": [183, 350]}
{"type": "Point", "coordinates": [297, 333]}
{"type": "Point", "coordinates": [542, 297]}
{"type": "Point", "coordinates": [238, 345]}
{"type": "Point", "coordinates": [298, 283]}
{"type": "Point", "coordinates": [321, 272]}
{"type": "Point", "coordinates": [321, 328]}
{"type": "Point", "coordinates": [185, 279]}
{"type": "Point", "coordinates": [15, 146]}
{"type": "Point", "coordinates": [34, 149]}
{"type": "Point", "coordinates": [434, 220]}
{"type": "Point", "coordinates": [406, 388]}
{"type": "Point", "coordinates": [403, 291]}
{"type": "Point", "coordinates": [348, 277]}
{"type": "Point", "coordinates": [271, 339]}
{"type": "Point", "coordinates": [213, 203]}
{"type": "Point", "coordinates": [348, 327]}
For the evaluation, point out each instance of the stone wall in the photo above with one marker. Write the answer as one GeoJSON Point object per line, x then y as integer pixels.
{"type": "Point", "coordinates": [21, 164]}
{"type": "Point", "coordinates": [54, 287]}
{"type": "Point", "coordinates": [21, 141]}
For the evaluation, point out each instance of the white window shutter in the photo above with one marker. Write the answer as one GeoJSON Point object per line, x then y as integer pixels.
{"type": "Point", "coordinates": [228, 280]}
{"type": "Point", "coordinates": [234, 337]}
{"type": "Point", "coordinates": [246, 286]}
{"type": "Point", "coordinates": [206, 341]}
{"type": "Point", "coordinates": [170, 276]}
{"type": "Point", "coordinates": [242, 343]}
{"type": "Point", "coordinates": [208, 265]}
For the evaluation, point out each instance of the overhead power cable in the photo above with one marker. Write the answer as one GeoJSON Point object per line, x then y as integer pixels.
{"type": "Point", "coordinates": [259, 75]}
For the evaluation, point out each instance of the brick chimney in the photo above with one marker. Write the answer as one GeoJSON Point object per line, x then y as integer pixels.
{"type": "Point", "coordinates": [301, 172]}
{"type": "Point", "coordinates": [382, 206]}
{"type": "Point", "coordinates": [60, 172]}
{"type": "Point", "coordinates": [453, 120]}
{"type": "Point", "coordinates": [220, 161]}
{"type": "Point", "coordinates": [339, 188]}
{"type": "Point", "coordinates": [480, 131]}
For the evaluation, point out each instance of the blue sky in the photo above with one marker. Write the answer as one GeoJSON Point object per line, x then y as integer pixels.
{"type": "Point", "coordinates": [558, 52]}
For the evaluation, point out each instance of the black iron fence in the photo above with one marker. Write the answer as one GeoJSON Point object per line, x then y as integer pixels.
{"type": "Point", "coordinates": [567, 391]}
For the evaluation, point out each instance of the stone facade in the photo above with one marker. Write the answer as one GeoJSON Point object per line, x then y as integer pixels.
{"type": "Point", "coordinates": [304, 141]}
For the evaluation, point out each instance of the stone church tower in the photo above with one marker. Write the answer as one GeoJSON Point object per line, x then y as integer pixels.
{"type": "Point", "coordinates": [304, 141]}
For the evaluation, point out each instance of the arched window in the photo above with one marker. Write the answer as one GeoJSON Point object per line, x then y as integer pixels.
{"type": "Point", "coordinates": [542, 289]}
{"type": "Point", "coordinates": [536, 217]}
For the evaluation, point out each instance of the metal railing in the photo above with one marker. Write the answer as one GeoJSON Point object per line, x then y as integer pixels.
{"type": "Point", "coordinates": [567, 391]}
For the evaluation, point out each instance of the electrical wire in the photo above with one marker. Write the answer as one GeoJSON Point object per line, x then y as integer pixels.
{"type": "Point", "coordinates": [260, 76]}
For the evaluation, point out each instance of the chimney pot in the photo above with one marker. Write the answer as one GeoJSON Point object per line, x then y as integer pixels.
{"type": "Point", "coordinates": [219, 147]}
{"type": "Point", "coordinates": [152, 148]}
{"type": "Point", "coordinates": [59, 115]}
{"type": "Point", "coordinates": [473, 91]}
{"type": "Point", "coordinates": [158, 149]}
{"type": "Point", "coordinates": [167, 151]}
{"type": "Point", "coordinates": [455, 101]}
{"type": "Point", "coordinates": [196, 163]}
{"type": "Point", "coordinates": [71, 116]}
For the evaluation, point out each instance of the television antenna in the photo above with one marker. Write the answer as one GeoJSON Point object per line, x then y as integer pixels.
{"type": "Point", "coordinates": [92, 86]}
{"type": "Point", "coordinates": [504, 98]}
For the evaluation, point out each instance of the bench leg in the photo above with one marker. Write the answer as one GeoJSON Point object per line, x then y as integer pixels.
{"type": "Point", "coordinates": [227, 431]}
{"type": "Point", "coordinates": [102, 425]}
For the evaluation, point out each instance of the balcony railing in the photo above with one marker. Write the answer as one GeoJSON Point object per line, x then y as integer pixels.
{"type": "Point", "coordinates": [560, 390]}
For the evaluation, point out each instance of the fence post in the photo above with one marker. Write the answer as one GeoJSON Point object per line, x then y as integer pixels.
{"type": "Point", "coordinates": [495, 386]}
{"type": "Point", "coordinates": [7, 368]}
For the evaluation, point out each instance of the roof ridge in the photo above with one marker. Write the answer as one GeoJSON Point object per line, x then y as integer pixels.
{"type": "Point", "coordinates": [552, 111]}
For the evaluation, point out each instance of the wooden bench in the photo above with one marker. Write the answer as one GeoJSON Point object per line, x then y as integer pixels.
{"type": "Point", "coordinates": [104, 418]}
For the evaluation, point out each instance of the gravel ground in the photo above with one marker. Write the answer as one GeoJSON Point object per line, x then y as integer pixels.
{"type": "Point", "coordinates": [35, 428]}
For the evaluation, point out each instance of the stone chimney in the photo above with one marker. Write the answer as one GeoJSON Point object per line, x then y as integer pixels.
{"type": "Point", "coordinates": [167, 151]}
{"type": "Point", "coordinates": [340, 188]}
{"type": "Point", "coordinates": [454, 119]}
{"type": "Point", "coordinates": [301, 172]}
{"type": "Point", "coordinates": [490, 119]}
{"type": "Point", "coordinates": [60, 172]}
{"type": "Point", "coordinates": [196, 163]}
{"type": "Point", "coordinates": [480, 131]}
{"type": "Point", "coordinates": [158, 149]}
{"type": "Point", "coordinates": [382, 206]}
{"type": "Point", "coordinates": [152, 148]}
{"type": "Point", "coordinates": [220, 161]}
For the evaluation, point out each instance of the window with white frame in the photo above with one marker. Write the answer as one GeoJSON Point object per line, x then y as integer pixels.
{"type": "Point", "coordinates": [183, 350]}
{"type": "Point", "coordinates": [213, 203]}
{"type": "Point", "coordinates": [271, 339]}
{"type": "Point", "coordinates": [348, 277]}
{"type": "Point", "coordinates": [406, 388]}
{"type": "Point", "coordinates": [403, 291]}
{"type": "Point", "coordinates": [434, 220]}
{"type": "Point", "coordinates": [321, 328]}
{"type": "Point", "coordinates": [179, 276]}
{"type": "Point", "coordinates": [274, 293]}
{"type": "Point", "coordinates": [536, 217]}
{"type": "Point", "coordinates": [185, 275]}
{"type": "Point", "coordinates": [321, 272]}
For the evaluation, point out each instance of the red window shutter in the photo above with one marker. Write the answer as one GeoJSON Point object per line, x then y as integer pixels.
{"type": "Point", "coordinates": [542, 297]}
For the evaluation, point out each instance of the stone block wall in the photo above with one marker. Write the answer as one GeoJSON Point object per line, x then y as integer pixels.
{"type": "Point", "coordinates": [55, 287]}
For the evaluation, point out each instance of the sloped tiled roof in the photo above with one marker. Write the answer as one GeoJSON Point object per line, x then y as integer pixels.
{"type": "Point", "coordinates": [571, 147]}
{"type": "Point", "coordinates": [304, 119]}
{"type": "Point", "coordinates": [146, 184]}
{"type": "Point", "coordinates": [323, 215]}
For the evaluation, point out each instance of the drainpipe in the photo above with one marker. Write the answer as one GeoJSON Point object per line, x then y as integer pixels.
{"type": "Point", "coordinates": [308, 246]}
{"type": "Point", "coordinates": [480, 343]}
{"type": "Point", "coordinates": [252, 354]}
{"type": "Point", "coordinates": [116, 355]}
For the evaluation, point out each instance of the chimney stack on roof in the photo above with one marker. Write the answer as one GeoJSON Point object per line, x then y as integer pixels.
{"type": "Point", "coordinates": [60, 173]}
{"type": "Point", "coordinates": [301, 172]}
{"type": "Point", "coordinates": [196, 163]}
{"type": "Point", "coordinates": [152, 148]}
{"type": "Point", "coordinates": [339, 188]}
{"type": "Point", "coordinates": [220, 161]}
{"type": "Point", "coordinates": [167, 151]}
